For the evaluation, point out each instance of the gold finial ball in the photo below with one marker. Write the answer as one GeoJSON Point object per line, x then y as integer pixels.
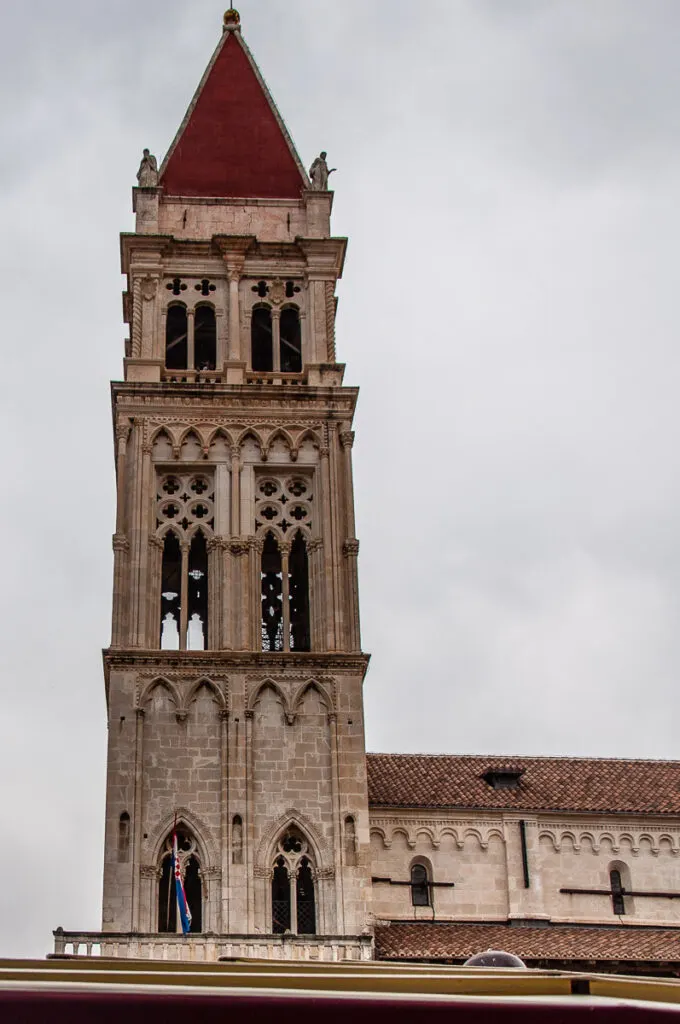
{"type": "Point", "coordinates": [232, 17]}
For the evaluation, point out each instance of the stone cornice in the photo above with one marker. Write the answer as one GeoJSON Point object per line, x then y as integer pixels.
{"type": "Point", "coordinates": [219, 661]}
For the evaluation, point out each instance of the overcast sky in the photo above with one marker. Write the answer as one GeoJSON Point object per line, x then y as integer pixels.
{"type": "Point", "coordinates": [509, 181]}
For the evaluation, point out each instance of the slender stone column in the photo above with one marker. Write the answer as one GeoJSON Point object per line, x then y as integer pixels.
{"type": "Point", "coordinates": [350, 550]}
{"type": "Point", "coordinates": [324, 453]}
{"type": "Point", "coordinates": [191, 357]}
{"type": "Point", "coordinates": [347, 442]}
{"type": "Point", "coordinates": [234, 271]}
{"type": "Point", "coordinates": [330, 320]}
{"type": "Point", "coordinates": [337, 831]}
{"type": "Point", "coordinates": [215, 584]}
{"type": "Point", "coordinates": [137, 824]}
{"type": "Point", "coordinates": [337, 519]}
{"type": "Point", "coordinates": [121, 544]}
{"type": "Point", "coordinates": [253, 599]}
{"type": "Point", "coordinates": [284, 550]}
{"type": "Point", "coordinates": [276, 340]}
{"type": "Point", "coordinates": [250, 824]}
{"type": "Point", "coordinates": [223, 923]}
{"type": "Point", "coordinates": [136, 332]}
{"type": "Point", "coordinates": [315, 554]}
{"type": "Point", "coordinates": [235, 490]}
{"type": "Point", "coordinates": [153, 618]}
{"type": "Point", "coordinates": [184, 598]}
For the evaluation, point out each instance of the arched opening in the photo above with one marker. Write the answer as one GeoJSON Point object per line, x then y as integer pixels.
{"type": "Point", "coordinates": [272, 596]}
{"type": "Point", "coordinates": [197, 595]}
{"type": "Point", "coordinates": [618, 903]}
{"type": "Point", "coordinates": [190, 869]}
{"type": "Point", "coordinates": [420, 888]}
{"type": "Point", "coordinates": [193, 889]}
{"type": "Point", "coordinates": [205, 338]}
{"type": "Point", "coordinates": [306, 909]}
{"type": "Point", "coordinates": [280, 898]}
{"type": "Point", "coordinates": [124, 838]}
{"type": "Point", "coordinates": [291, 340]}
{"type": "Point", "coordinates": [176, 335]}
{"type": "Point", "coordinates": [298, 572]}
{"type": "Point", "coordinates": [171, 590]}
{"type": "Point", "coordinates": [262, 353]}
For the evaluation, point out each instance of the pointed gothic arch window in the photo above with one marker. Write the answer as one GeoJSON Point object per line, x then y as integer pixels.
{"type": "Point", "coordinates": [293, 887]}
{"type": "Point", "coordinates": [171, 590]}
{"type": "Point", "coordinates": [197, 594]}
{"type": "Point", "coordinates": [272, 596]}
{"type": "Point", "coordinates": [190, 867]}
{"type": "Point", "coordinates": [291, 340]}
{"type": "Point", "coordinates": [261, 340]}
{"type": "Point", "coordinates": [176, 337]}
{"type": "Point", "coordinates": [298, 571]}
{"type": "Point", "coordinates": [205, 338]}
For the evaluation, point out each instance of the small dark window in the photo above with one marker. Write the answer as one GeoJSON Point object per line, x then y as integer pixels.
{"type": "Point", "coordinates": [171, 589]}
{"type": "Point", "coordinates": [420, 889]}
{"type": "Point", "coordinates": [503, 778]}
{"type": "Point", "coordinates": [618, 904]}
{"type": "Point", "coordinates": [176, 338]}
{"type": "Point", "coordinates": [261, 340]}
{"type": "Point", "coordinates": [306, 911]}
{"type": "Point", "coordinates": [272, 596]}
{"type": "Point", "coordinates": [197, 595]}
{"type": "Point", "coordinates": [298, 571]}
{"type": "Point", "coordinates": [291, 341]}
{"type": "Point", "coordinates": [280, 898]}
{"type": "Point", "coordinates": [205, 338]}
{"type": "Point", "coordinates": [124, 838]}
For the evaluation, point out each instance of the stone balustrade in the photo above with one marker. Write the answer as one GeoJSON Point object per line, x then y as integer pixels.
{"type": "Point", "coordinates": [210, 948]}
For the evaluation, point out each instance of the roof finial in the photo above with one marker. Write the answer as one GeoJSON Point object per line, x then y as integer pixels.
{"type": "Point", "coordinates": [232, 20]}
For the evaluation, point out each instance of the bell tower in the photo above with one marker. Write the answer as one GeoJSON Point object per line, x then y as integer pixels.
{"type": "Point", "coordinates": [234, 676]}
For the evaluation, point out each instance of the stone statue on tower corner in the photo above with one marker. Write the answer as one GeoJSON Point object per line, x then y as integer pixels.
{"type": "Point", "coordinates": [320, 174]}
{"type": "Point", "coordinates": [147, 175]}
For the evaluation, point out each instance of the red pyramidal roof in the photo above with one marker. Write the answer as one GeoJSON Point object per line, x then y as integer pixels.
{"type": "Point", "coordinates": [233, 141]}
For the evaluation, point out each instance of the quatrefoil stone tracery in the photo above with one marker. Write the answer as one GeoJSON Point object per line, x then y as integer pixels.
{"type": "Point", "coordinates": [185, 501]}
{"type": "Point", "coordinates": [284, 502]}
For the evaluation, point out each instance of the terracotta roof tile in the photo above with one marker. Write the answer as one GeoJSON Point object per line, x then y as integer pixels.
{"type": "Point", "coordinates": [546, 783]}
{"type": "Point", "coordinates": [450, 941]}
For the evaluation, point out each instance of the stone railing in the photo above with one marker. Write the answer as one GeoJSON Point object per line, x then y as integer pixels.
{"type": "Point", "coordinates": [210, 948]}
{"type": "Point", "coordinates": [193, 376]}
{"type": "Point", "coordinates": [289, 379]}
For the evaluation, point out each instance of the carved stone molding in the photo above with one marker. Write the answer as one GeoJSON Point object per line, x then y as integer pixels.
{"type": "Point", "coordinates": [120, 542]}
{"type": "Point", "coordinates": [150, 871]}
{"type": "Point", "coordinates": [347, 438]}
{"type": "Point", "coordinates": [350, 548]}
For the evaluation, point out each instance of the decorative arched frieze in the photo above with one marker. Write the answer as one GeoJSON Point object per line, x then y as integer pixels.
{"type": "Point", "coordinates": [221, 698]}
{"type": "Point", "coordinates": [270, 684]}
{"type": "Point", "coordinates": [311, 684]}
{"type": "Point", "coordinates": [164, 683]}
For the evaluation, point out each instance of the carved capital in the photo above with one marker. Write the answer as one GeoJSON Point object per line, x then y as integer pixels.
{"type": "Point", "coordinates": [350, 548]}
{"type": "Point", "coordinates": [315, 544]}
{"type": "Point", "coordinates": [285, 547]}
{"type": "Point", "coordinates": [140, 712]}
{"type": "Point", "coordinates": [122, 434]}
{"type": "Point", "coordinates": [249, 714]}
{"type": "Point", "coordinates": [156, 542]}
{"type": "Point", "coordinates": [234, 269]}
{"type": "Point", "coordinates": [347, 438]}
{"type": "Point", "coordinates": [239, 547]}
{"type": "Point", "coordinates": [149, 871]}
{"type": "Point", "coordinates": [223, 714]}
{"type": "Point", "coordinates": [215, 544]}
{"type": "Point", "coordinates": [120, 542]}
{"type": "Point", "coordinates": [324, 451]}
{"type": "Point", "coordinates": [149, 287]}
{"type": "Point", "coordinates": [332, 717]}
{"type": "Point", "coordinates": [235, 451]}
{"type": "Point", "coordinates": [181, 715]}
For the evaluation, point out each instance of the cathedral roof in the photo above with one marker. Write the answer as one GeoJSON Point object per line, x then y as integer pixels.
{"type": "Point", "coordinates": [423, 940]}
{"type": "Point", "coordinates": [574, 784]}
{"type": "Point", "coordinates": [233, 142]}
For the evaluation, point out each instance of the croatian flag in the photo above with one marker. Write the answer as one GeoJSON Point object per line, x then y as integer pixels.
{"type": "Point", "coordinates": [182, 905]}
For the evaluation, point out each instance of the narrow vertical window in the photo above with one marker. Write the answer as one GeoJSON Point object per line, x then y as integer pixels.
{"type": "Point", "coordinates": [350, 841]}
{"type": "Point", "coordinates": [197, 592]}
{"type": "Point", "coordinates": [298, 571]}
{"type": "Point", "coordinates": [420, 889]}
{"type": "Point", "coordinates": [176, 338]}
{"type": "Point", "coordinates": [124, 838]}
{"type": "Point", "coordinates": [171, 589]}
{"type": "Point", "coordinates": [618, 904]}
{"type": "Point", "coordinates": [205, 338]}
{"type": "Point", "coordinates": [291, 341]}
{"type": "Point", "coordinates": [190, 870]}
{"type": "Point", "coordinates": [272, 600]}
{"type": "Point", "coordinates": [262, 355]}
{"type": "Point", "coordinates": [305, 904]}
{"type": "Point", "coordinates": [280, 898]}
{"type": "Point", "coordinates": [237, 840]}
